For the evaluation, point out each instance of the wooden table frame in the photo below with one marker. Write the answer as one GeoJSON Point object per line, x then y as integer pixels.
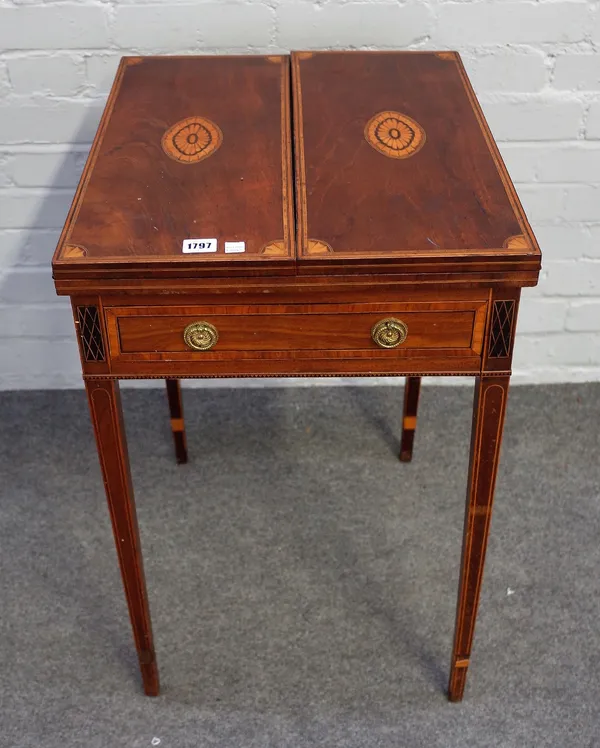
{"type": "Point", "coordinates": [409, 264]}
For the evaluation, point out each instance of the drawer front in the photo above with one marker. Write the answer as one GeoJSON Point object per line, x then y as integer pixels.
{"type": "Point", "coordinates": [157, 333]}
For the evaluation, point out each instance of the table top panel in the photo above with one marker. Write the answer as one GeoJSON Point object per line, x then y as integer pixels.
{"type": "Point", "coordinates": [190, 175]}
{"type": "Point", "coordinates": [189, 148]}
{"type": "Point", "coordinates": [394, 159]}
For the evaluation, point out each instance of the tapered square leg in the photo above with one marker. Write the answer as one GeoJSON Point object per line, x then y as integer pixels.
{"type": "Point", "coordinates": [488, 421]}
{"type": "Point", "coordinates": [177, 422]}
{"type": "Point", "coordinates": [107, 418]}
{"type": "Point", "coordinates": [412, 390]}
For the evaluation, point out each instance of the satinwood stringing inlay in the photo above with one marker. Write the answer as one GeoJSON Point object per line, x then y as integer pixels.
{"type": "Point", "coordinates": [190, 140]}
{"type": "Point", "coordinates": [394, 135]}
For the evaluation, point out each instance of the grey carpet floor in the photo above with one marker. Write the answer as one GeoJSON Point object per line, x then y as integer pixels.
{"type": "Point", "coordinates": [302, 580]}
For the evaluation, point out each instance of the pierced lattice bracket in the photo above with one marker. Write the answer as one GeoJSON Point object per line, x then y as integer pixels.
{"type": "Point", "coordinates": [503, 315]}
{"type": "Point", "coordinates": [90, 334]}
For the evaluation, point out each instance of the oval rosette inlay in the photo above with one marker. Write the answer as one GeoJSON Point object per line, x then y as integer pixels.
{"type": "Point", "coordinates": [394, 135]}
{"type": "Point", "coordinates": [190, 140]}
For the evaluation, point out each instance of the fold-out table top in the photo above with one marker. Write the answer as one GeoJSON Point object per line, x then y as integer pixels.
{"type": "Point", "coordinates": [190, 171]}
{"type": "Point", "coordinates": [395, 171]}
{"type": "Point", "coordinates": [395, 164]}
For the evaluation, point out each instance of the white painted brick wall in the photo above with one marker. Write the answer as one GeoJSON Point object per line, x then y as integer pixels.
{"type": "Point", "coordinates": [593, 121]}
{"type": "Point", "coordinates": [381, 24]}
{"type": "Point", "coordinates": [577, 72]}
{"type": "Point", "coordinates": [56, 76]}
{"type": "Point", "coordinates": [535, 65]}
{"type": "Point", "coordinates": [507, 71]}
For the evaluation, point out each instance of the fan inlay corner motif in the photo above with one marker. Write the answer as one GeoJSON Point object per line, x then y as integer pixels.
{"type": "Point", "coordinates": [516, 242]}
{"type": "Point", "coordinates": [446, 55]}
{"type": "Point", "coordinates": [274, 248]}
{"type": "Point", "coordinates": [74, 251]}
{"type": "Point", "coordinates": [318, 247]}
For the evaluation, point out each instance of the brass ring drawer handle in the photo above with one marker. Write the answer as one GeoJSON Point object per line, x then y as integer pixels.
{"type": "Point", "coordinates": [389, 332]}
{"type": "Point", "coordinates": [201, 336]}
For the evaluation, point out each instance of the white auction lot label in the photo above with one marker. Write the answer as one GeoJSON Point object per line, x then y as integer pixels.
{"type": "Point", "coordinates": [234, 247]}
{"type": "Point", "coordinates": [199, 245]}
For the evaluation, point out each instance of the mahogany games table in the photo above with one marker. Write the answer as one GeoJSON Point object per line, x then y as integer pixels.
{"type": "Point", "coordinates": [319, 214]}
